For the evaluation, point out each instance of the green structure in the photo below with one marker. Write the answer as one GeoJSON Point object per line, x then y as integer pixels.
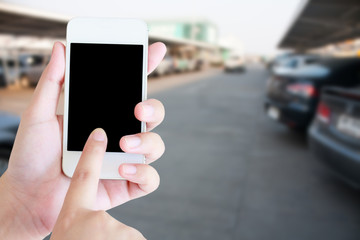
{"type": "Point", "coordinates": [200, 30]}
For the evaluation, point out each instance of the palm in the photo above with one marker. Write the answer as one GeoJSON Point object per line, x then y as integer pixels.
{"type": "Point", "coordinates": [43, 180]}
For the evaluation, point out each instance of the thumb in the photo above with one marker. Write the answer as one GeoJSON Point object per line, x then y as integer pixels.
{"type": "Point", "coordinates": [44, 102]}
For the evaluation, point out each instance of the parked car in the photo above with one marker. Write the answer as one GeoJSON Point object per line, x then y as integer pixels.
{"type": "Point", "coordinates": [2, 75]}
{"type": "Point", "coordinates": [200, 64]}
{"type": "Point", "coordinates": [334, 135]}
{"type": "Point", "coordinates": [181, 65]}
{"type": "Point", "coordinates": [8, 127]}
{"type": "Point", "coordinates": [192, 64]}
{"type": "Point", "coordinates": [166, 66]}
{"type": "Point", "coordinates": [290, 63]}
{"type": "Point", "coordinates": [8, 71]}
{"type": "Point", "coordinates": [235, 63]}
{"type": "Point", "coordinates": [216, 60]}
{"type": "Point", "coordinates": [274, 61]}
{"type": "Point", "coordinates": [31, 68]}
{"type": "Point", "coordinates": [292, 96]}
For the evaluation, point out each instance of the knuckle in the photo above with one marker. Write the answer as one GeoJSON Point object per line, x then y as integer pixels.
{"type": "Point", "coordinates": [156, 181]}
{"type": "Point", "coordinates": [94, 148]}
{"type": "Point", "coordinates": [151, 179]}
{"type": "Point", "coordinates": [152, 137]}
{"type": "Point", "coordinates": [67, 220]}
{"type": "Point", "coordinates": [54, 80]}
{"type": "Point", "coordinates": [99, 220]}
{"type": "Point", "coordinates": [156, 147]}
{"type": "Point", "coordinates": [97, 149]}
{"type": "Point", "coordinates": [28, 114]}
{"type": "Point", "coordinates": [82, 175]}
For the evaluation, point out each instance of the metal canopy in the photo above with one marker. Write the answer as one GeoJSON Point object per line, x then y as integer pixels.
{"type": "Point", "coordinates": [321, 22]}
{"type": "Point", "coordinates": [21, 21]}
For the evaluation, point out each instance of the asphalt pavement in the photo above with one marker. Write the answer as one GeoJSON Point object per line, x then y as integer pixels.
{"type": "Point", "coordinates": [229, 172]}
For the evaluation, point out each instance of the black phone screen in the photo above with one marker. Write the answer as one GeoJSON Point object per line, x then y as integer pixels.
{"type": "Point", "coordinates": [105, 84]}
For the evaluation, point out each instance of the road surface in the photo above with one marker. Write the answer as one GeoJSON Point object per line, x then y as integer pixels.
{"type": "Point", "coordinates": [229, 172]}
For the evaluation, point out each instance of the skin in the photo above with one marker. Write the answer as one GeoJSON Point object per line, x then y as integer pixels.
{"type": "Point", "coordinates": [77, 220]}
{"type": "Point", "coordinates": [33, 188]}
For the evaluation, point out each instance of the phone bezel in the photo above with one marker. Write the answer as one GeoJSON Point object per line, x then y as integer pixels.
{"type": "Point", "coordinates": [103, 31]}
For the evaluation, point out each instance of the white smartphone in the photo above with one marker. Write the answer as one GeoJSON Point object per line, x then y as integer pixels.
{"type": "Point", "coordinates": [106, 76]}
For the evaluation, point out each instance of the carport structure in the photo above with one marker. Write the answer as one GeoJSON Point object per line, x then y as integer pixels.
{"type": "Point", "coordinates": [322, 22]}
{"type": "Point", "coordinates": [22, 21]}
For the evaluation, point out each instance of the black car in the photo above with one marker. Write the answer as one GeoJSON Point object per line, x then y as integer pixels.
{"type": "Point", "coordinates": [293, 94]}
{"type": "Point", "coordinates": [293, 61]}
{"type": "Point", "coordinates": [31, 68]}
{"type": "Point", "coordinates": [334, 136]}
{"type": "Point", "coordinates": [8, 127]}
{"type": "Point", "coordinates": [2, 74]}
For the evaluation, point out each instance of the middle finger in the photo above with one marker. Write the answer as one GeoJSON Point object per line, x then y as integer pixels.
{"type": "Point", "coordinates": [149, 144]}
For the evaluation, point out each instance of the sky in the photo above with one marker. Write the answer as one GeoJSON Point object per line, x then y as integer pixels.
{"type": "Point", "coordinates": [259, 24]}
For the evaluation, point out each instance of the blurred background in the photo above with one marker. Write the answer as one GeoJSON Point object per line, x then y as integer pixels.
{"type": "Point", "coordinates": [263, 111]}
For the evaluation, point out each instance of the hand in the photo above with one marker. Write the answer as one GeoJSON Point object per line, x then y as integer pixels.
{"type": "Point", "coordinates": [77, 220]}
{"type": "Point", "coordinates": [34, 184]}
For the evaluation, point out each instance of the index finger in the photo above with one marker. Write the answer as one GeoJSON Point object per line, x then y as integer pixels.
{"type": "Point", "coordinates": [84, 183]}
{"type": "Point", "coordinates": [156, 54]}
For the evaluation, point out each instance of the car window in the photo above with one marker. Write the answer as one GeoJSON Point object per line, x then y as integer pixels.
{"type": "Point", "coordinates": [310, 61]}
{"type": "Point", "coordinates": [31, 60]}
{"type": "Point", "coordinates": [292, 63]}
{"type": "Point", "coordinates": [11, 63]}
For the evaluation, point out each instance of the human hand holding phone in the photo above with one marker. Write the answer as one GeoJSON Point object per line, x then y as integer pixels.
{"type": "Point", "coordinates": [34, 187]}
{"type": "Point", "coordinates": [77, 219]}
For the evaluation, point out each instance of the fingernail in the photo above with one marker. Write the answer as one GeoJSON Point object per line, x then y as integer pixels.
{"type": "Point", "coordinates": [129, 169]}
{"type": "Point", "coordinates": [132, 141]}
{"type": "Point", "coordinates": [148, 110]}
{"type": "Point", "coordinates": [99, 135]}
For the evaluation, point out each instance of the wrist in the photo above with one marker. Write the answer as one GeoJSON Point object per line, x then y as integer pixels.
{"type": "Point", "coordinates": [16, 221]}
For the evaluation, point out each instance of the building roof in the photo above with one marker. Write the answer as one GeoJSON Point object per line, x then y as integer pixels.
{"type": "Point", "coordinates": [19, 20]}
{"type": "Point", "coordinates": [321, 22]}
{"type": "Point", "coordinates": [22, 21]}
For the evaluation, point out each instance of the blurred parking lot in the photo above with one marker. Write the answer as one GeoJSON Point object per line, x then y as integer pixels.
{"type": "Point", "coordinates": [262, 141]}
{"type": "Point", "coordinates": [233, 174]}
